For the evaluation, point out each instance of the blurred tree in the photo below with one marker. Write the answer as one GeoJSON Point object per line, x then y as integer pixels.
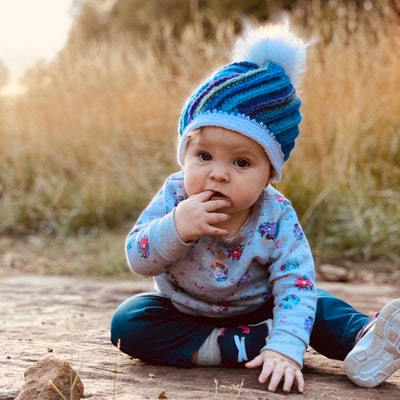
{"type": "Point", "coordinates": [96, 19]}
{"type": "Point", "coordinates": [91, 21]}
{"type": "Point", "coordinates": [136, 16]}
{"type": "Point", "coordinates": [4, 74]}
{"type": "Point", "coordinates": [256, 8]}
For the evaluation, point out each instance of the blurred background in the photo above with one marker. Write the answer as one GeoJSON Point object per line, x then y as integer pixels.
{"type": "Point", "coordinates": [88, 134]}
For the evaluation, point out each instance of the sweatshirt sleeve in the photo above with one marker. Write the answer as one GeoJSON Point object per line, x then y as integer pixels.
{"type": "Point", "coordinates": [292, 276]}
{"type": "Point", "coordinates": [153, 243]}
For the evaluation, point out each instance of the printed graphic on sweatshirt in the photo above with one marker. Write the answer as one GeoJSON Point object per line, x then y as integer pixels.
{"type": "Point", "coordinates": [219, 308]}
{"type": "Point", "coordinates": [308, 324]}
{"type": "Point", "coordinates": [290, 301]}
{"type": "Point", "coordinates": [298, 233]}
{"type": "Point", "coordinates": [304, 283]}
{"type": "Point", "coordinates": [179, 198]}
{"type": "Point", "coordinates": [282, 200]}
{"type": "Point", "coordinates": [244, 279]}
{"type": "Point", "coordinates": [219, 271]}
{"type": "Point", "coordinates": [144, 247]}
{"type": "Point", "coordinates": [269, 230]}
{"type": "Point", "coordinates": [291, 265]}
{"type": "Point", "coordinates": [235, 252]}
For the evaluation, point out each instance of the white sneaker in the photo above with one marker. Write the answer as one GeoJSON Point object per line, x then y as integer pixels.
{"type": "Point", "coordinates": [377, 355]}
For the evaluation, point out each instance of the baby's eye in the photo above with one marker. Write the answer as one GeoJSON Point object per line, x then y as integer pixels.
{"type": "Point", "coordinates": [241, 163]}
{"type": "Point", "coordinates": [205, 156]}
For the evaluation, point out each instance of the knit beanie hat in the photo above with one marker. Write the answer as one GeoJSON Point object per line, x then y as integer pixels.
{"type": "Point", "coordinates": [255, 95]}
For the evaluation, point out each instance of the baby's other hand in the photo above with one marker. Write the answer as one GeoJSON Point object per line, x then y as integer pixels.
{"type": "Point", "coordinates": [277, 367]}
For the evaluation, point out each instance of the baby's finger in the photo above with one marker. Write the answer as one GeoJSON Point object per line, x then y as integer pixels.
{"type": "Point", "coordinates": [214, 205]}
{"type": "Point", "coordinates": [276, 378]}
{"type": "Point", "coordinates": [203, 196]}
{"type": "Point", "coordinates": [255, 362]}
{"type": "Point", "coordinates": [300, 381]}
{"type": "Point", "coordinates": [215, 218]}
{"type": "Point", "coordinates": [266, 371]}
{"type": "Point", "coordinates": [208, 196]}
{"type": "Point", "coordinates": [289, 379]}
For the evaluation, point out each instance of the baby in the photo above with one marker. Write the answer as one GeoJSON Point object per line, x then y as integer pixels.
{"type": "Point", "coordinates": [234, 271]}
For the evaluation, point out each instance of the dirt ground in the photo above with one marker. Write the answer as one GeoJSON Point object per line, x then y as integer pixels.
{"type": "Point", "coordinates": [69, 318]}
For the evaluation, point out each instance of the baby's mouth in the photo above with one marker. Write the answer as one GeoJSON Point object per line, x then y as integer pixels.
{"type": "Point", "coordinates": [218, 196]}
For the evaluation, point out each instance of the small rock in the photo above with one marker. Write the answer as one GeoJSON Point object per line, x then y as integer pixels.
{"type": "Point", "coordinates": [48, 378]}
{"type": "Point", "coordinates": [334, 273]}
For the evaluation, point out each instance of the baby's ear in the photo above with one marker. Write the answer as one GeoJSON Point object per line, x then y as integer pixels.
{"type": "Point", "coordinates": [271, 176]}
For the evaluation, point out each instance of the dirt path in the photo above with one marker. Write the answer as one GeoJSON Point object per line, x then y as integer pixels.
{"type": "Point", "coordinates": [69, 318]}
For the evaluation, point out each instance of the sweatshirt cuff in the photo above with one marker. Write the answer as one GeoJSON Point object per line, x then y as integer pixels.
{"type": "Point", "coordinates": [286, 344]}
{"type": "Point", "coordinates": [166, 239]}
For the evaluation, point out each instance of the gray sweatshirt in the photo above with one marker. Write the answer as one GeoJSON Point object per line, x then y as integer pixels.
{"type": "Point", "coordinates": [221, 277]}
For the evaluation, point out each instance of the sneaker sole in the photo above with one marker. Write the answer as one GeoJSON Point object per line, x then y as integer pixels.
{"type": "Point", "coordinates": [377, 356]}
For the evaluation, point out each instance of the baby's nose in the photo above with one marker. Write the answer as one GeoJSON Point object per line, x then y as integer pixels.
{"type": "Point", "coordinates": [219, 173]}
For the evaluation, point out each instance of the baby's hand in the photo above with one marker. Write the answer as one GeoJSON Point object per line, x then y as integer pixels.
{"type": "Point", "coordinates": [278, 367]}
{"type": "Point", "coordinates": [196, 216]}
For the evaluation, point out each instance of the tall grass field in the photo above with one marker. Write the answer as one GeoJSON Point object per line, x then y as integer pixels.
{"type": "Point", "coordinates": [93, 138]}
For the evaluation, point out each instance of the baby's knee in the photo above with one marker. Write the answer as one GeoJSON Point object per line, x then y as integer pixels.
{"type": "Point", "coordinates": [120, 325]}
{"type": "Point", "coordinates": [133, 322]}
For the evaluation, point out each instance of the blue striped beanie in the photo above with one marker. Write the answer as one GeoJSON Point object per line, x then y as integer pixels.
{"type": "Point", "coordinates": [255, 95]}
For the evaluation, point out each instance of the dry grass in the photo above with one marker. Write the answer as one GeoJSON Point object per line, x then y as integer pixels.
{"type": "Point", "coordinates": [94, 137]}
{"type": "Point", "coordinates": [348, 155]}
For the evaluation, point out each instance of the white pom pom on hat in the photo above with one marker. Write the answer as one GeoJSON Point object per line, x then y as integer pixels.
{"type": "Point", "coordinates": [255, 95]}
{"type": "Point", "coordinates": [274, 43]}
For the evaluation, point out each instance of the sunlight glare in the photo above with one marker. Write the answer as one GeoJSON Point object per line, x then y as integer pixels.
{"type": "Point", "coordinates": [31, 30]}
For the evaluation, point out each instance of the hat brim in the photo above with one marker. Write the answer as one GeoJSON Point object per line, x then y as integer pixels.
{"type": "Point", "coordinates": [243, 125]}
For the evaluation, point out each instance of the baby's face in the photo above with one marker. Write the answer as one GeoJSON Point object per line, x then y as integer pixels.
{"type": "Point", "coordinates": [229, 164]}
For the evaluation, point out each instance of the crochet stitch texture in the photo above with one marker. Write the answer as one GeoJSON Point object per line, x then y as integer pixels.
{"type": "Point", "coordinates": [258, 101]}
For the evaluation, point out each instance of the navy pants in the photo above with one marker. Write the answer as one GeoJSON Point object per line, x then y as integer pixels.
{"type": "Point", "coordinates": [148, 326]}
